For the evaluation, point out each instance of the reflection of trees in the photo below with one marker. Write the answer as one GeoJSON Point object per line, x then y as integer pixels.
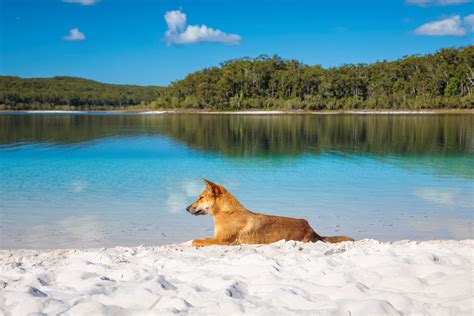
{"type": "Point", "coordinates": [295, 134]}
{"type": "Point", "coordinates": [245, 135]}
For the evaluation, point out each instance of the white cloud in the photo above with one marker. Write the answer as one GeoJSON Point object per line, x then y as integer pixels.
{"type": "Point", "coordinates": [447, 27]}
{"type": "Point", "coordinates": [82, 2]}
{"type": "Point", "coordinates": [180, 33]}
{"type": "Point", "coordinates": [424, 3]}
{"type": "Point", "coordinates": [449, 2]}
{"type": "Point", "coordinates": [176, 20]}
{"type": "Point", "coordinates": [75, 35]}
{"type": "Point", "coordinates": [419, 2]}
{"type": "Point", "coordinates": [469, 22]}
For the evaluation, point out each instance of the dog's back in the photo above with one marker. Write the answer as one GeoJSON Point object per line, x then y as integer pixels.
{"type": "Point", "coordinates": [262, 229]}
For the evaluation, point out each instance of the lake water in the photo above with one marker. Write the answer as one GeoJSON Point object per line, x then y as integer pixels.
{"type": "Point", "coordinates": [93, 180]}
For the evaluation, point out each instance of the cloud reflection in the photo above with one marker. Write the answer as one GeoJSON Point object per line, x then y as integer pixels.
{"type": "Point", "coordinates": [79, 186]}
{"type": "Point", "coordinates": [68, 232]}
{"type": "Point", "coordinates": [443, 227]}
{"type": "Point", "coordinates": [178, 197]}
{"type": "Point", "coordinates": [442, 196]}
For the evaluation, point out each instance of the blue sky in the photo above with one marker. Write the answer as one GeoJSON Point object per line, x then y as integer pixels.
{"type": "Point", "coordinates": [125, 41]}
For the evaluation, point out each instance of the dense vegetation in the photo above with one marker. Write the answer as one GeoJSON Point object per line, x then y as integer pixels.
{"type": "Point", "coordinates": [441, 80]}
{"type": "Point", "coordinates": [71, 93]}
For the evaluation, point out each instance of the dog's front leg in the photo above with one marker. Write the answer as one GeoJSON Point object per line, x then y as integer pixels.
{"type": "Point", "coordinates": [207, 242]}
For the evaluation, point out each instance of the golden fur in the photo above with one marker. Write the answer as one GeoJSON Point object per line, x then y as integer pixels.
{"type": "Point", "coordinates": [234, 224]}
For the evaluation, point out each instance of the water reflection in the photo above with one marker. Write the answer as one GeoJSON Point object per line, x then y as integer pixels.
{"type": "Point", "coordinates": [253, 135]}
{"type": "Point", "coordinates": [409, 141]}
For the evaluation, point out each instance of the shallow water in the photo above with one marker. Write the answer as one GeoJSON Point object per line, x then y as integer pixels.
{"type": "Point", "coordinates": [92, 180]}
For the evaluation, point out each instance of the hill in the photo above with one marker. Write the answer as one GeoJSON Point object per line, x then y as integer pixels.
{"type": "Point", "coordinates": [71, 93]}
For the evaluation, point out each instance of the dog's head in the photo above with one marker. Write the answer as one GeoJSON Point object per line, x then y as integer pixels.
{"type": "Point", "coordinates": [207, 199]}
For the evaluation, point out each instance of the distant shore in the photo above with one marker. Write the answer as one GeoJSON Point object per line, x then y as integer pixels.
{"type": "Point", "coordinates": [246, 112]}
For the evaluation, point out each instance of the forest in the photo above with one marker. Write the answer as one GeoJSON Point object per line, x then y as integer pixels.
{"type": "Point", "coordinates": [69, 93]}
{"type": "Point", "coordinates": [441, 80]}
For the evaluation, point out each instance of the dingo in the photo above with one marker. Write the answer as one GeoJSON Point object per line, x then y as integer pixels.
{"type": "Point", "coordinates": [234, 224]}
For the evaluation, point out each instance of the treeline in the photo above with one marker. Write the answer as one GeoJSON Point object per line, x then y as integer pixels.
{"type": "Point", "coordinates": [69, 93]}
{"type": "Point", "coordinates": [441, 80]}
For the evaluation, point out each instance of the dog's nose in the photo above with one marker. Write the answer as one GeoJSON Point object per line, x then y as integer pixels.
{"type": "Point", "coordinates": [188, 208]}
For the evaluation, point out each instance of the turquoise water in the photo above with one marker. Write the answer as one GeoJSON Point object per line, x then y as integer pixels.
{"type": "Point", "coordinates": [93, 180]}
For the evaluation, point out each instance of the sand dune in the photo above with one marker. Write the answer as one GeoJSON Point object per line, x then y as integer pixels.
{"type": "Point", "coordinates": [362, 278]}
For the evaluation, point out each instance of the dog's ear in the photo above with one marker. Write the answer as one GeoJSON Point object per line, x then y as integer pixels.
{"type": "Point", "coordinates": [208, 184]}
{"type": "Point", "coordinates": [215, 189]}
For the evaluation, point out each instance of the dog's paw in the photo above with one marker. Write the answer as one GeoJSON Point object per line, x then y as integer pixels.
{"type": "Point", "coordinates": [200, 243]}
{"type": "Point", "coordinates": [187, 243]}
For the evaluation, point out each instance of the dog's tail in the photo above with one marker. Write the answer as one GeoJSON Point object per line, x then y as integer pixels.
{"type": "Point", "coordinates": [331, 239]}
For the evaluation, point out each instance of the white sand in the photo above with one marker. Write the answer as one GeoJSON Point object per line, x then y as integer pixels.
{"type": "Point", "coordinates": [52, 111]}
{"type": "Point", "coordinates": [150, 112]}
{"type": "Point", "coordinates": [251, 112]}
{"type": "Point", "coordinates": [362, 278]}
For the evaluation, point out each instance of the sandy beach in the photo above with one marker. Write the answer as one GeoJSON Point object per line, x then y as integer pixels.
{"type": "Point", "coordinates": [366, 277]}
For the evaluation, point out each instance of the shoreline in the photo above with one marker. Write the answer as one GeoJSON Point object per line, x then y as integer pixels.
{"type": "Point", "coordinates": [366, 277]}
{"type": "Point", "coordinates": [246, 112]}
{"type": "Point", "coordinates": [187, 244]}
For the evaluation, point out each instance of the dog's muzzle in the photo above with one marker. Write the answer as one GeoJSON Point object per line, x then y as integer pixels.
{"type": "Point", "coordinates": [193, 211]}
